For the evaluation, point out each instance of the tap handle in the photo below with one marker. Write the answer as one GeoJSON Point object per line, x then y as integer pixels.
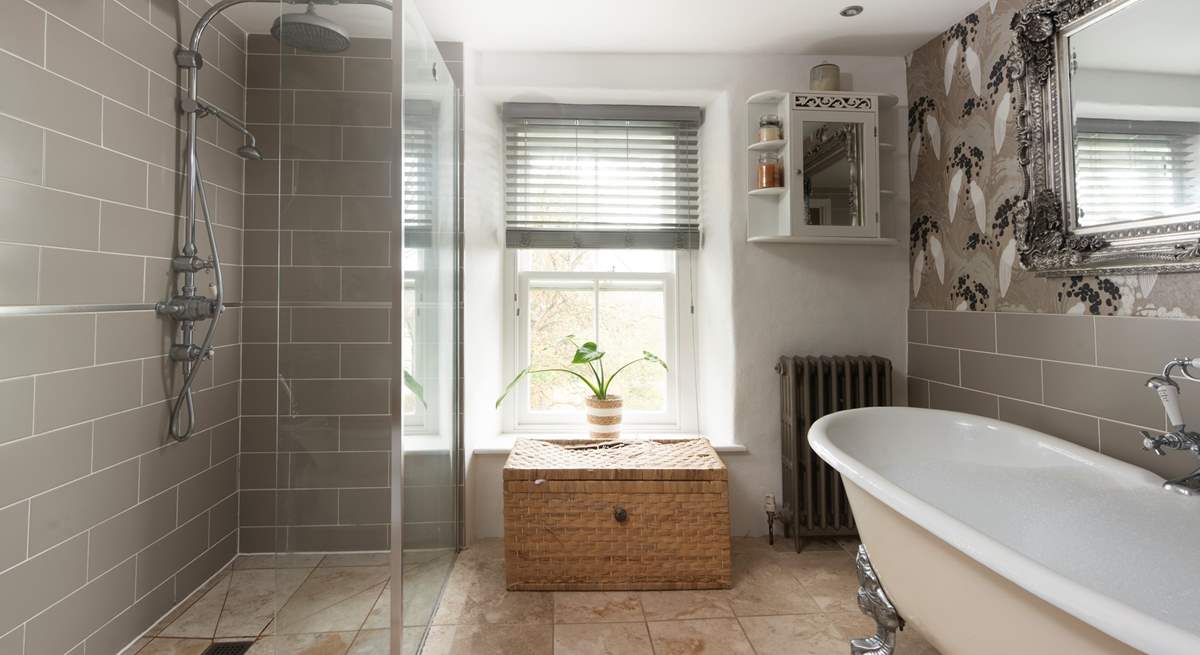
{"type": "Point", "coordinates": [1169, 394]}
{"type": "Point", "coordinates": [1151, 443]}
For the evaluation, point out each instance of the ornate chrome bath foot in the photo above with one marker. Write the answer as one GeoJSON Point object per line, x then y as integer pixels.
{"type": "Point", "coordinates": [874, 603]}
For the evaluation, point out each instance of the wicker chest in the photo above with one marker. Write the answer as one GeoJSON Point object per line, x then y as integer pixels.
{"type": "Point", "coordinates": [633, 514]}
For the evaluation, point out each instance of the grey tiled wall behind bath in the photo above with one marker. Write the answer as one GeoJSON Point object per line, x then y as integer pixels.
{"type": "Point", "coordinates": [1080, 378]}
{"type": "Point", "coordinates": [105, 523]}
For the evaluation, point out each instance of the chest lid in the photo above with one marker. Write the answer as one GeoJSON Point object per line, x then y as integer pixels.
{"type": "Point", "coordinates": [640, 459]}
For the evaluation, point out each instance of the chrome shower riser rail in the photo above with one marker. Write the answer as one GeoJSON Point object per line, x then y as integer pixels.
{"type": "Point", "coordinates": [47, 310]}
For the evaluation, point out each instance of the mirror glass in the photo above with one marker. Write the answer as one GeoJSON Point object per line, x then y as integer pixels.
{"type": "Point", "coordinates": [1135, 113]}
{"type": "Point", "coordinates": [833, 173]}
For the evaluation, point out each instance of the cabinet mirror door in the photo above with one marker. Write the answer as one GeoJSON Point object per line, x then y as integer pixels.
{"type": "Point", "coordinates": [838, 164]}
{"type": "Point", "coordinates": [833, 173]}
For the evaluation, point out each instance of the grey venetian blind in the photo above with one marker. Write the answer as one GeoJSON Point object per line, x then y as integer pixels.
{"type": "Point", "coordinates": [420, 171]}
{"type": "Point", "coordinates": [601, 176]}
{"type": "Point", "coordinates": [1133, 169]}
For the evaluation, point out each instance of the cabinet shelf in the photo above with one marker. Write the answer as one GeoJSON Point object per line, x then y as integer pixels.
{"type": "Point", "coordinates": [769, 191]}
{"type": "Point", "coordinates": [768, 146]}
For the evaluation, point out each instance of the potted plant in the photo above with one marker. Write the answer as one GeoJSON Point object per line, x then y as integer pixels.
{"type": "Point", "coordinates": [604, 409]}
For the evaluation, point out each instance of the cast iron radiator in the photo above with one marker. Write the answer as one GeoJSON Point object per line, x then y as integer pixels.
{"type": "Point", "coordinates": [814, 502]}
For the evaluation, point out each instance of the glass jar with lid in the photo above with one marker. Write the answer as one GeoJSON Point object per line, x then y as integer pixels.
{"type": "Point", "coordinates": [770, 172]}
{"type": "Point", "coordinates": [770, 128]}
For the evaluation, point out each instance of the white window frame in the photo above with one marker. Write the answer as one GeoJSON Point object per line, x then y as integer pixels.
{"type": "Point", "coordinates": [679, 312]}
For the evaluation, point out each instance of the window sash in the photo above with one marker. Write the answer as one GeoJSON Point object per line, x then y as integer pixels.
{"type": "Point", "coordinates": [598, 281]}
{"type": "Point", "coordinates": [601, 176]}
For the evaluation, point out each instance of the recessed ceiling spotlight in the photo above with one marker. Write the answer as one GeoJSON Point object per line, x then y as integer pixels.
{"type": "Point", "coordinates": [851, 11]}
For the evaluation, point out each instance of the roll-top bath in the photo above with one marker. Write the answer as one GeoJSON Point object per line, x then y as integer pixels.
{"type": "Point", "coordinates": [994, 538]}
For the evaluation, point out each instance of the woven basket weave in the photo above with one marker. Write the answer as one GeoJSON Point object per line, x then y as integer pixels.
{"type": "Point", "coordinates": [619, 515]}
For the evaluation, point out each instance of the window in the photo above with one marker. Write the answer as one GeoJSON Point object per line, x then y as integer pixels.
{"type": "Point", "coordinates": [601, 221]}
{"type": "Point", "coordinates": [1126, 170]}
{"type": "Point", "coordinates": [625, 300]}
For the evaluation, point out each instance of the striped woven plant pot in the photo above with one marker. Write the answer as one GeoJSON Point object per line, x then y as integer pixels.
{"type": "Point", "coordinates": [604, 417]}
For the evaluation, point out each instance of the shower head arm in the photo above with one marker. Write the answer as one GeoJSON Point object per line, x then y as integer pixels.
{"type": "Point", "coordinates": [206, 109]}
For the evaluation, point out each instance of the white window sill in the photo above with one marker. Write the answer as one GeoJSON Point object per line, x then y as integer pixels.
{"type": "Point", "coordinates": [502, 444]}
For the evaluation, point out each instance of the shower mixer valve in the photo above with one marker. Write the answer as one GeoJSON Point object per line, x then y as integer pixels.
{"type": "Point", "coordinates": [189, 308]}
{"type": "Point", "coordinates": [1179, 438]}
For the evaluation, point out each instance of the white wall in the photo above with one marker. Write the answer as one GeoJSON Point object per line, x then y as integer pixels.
{"type": "Point", "coordinates": [483, 216]}
{"type": "Point", "coordinates": [754, 302]}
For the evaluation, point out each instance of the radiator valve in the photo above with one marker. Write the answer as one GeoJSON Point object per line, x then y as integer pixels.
{"type": "Point", "coordinates": [769, 508]}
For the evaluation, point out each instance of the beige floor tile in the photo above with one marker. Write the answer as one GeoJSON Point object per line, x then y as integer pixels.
{"type": "Point", "coordinates": [169, 646]}
{"type": "Point", "coordinates": [421, 556]}
{"type": "Point", "coordinates": [681, 605]}
{"type": "Point", "coordinates": [199, 621]}
{"type": "Point", "coordinates": [475, 594]}
{"type": "Point", "coordinates": [602, 639]}
{"type": "Point", "coordinates": [332, 600]}
{"type": "Point", "coordinates": [490, 640]}
{"type": "Point", "coordinates": [801, 634]}
{"type": "Point", "coordinates": [763, 587]}
{"type": "Point", "coordinates": [380, 616]}
{"type": "Point", "coordinates": [484, 549]}
{"type": "Point", "coordinates": [374, 642]}
{"type": "Point", "coordinates": [855, 625]}
{"type": "Point", "coordinates": [254, 598]}
{"type": "Point", "coordinates": [702, 636]}
{"type": "Point", "coordinates": [829, 577]}
{"type": "Point", "coordinates": [597, 607]}
{"type": "Point", "coordinates": [281, 561]}
{"type": "Point", "coordinates": [356, 559]}
{"type": "Point", "coordinates": [328, 643]}
{"type": "Point", "coordinates": [411, 640]}
{"type": "Point", "coordinates": [423, 584]}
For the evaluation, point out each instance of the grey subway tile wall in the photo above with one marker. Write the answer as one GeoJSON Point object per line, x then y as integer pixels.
{"type": "Point", "coordinates": [310, 480]}
{"type": "Point", "coordinates": [1076, 377]}
{"type": "Point", "coordinates": [105, 523]}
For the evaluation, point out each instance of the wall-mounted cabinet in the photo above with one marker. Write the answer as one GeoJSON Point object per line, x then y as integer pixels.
{"type": "Point", "coordinates": [816, 179]}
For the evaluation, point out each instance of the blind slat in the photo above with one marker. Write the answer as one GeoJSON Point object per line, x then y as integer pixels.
{"type": "Point", "coordinates": [601, 176]}
{"type": "Point", "coordinates": [1134, 169]}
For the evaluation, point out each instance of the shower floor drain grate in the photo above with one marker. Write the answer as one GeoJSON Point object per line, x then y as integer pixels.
{"type": "Point", "coordinates": [229, 648]}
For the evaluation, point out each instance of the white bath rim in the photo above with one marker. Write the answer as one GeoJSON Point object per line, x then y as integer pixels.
{"type": "Point", "coordinates": [1116, 619]}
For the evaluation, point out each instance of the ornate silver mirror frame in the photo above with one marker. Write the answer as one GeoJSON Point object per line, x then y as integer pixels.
{"type": "Point", "coordinates": [1048, 240]}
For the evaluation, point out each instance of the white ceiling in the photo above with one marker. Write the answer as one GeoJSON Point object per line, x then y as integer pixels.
{"type": "Point", "coordinates": [886, 27]}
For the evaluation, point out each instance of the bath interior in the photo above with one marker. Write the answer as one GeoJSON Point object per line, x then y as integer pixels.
{"type": "Point", "coordinates": [267, 265]}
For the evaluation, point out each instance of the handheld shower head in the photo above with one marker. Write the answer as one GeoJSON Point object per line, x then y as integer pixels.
{"type": "Point", "coordinates": [310, 31]}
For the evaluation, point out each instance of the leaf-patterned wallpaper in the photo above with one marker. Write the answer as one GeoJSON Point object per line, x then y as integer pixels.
{"type": "Point", "coordinates": [965, 181]}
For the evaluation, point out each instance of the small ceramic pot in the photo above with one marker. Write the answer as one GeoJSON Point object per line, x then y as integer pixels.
{"type": "Point", "coordinates": [604, 417]}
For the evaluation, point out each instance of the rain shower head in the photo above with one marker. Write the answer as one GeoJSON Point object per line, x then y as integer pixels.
{"type": "Point", "coordinates": [250, 151]}
{"type": "Point", "coordinates": [310, 31]}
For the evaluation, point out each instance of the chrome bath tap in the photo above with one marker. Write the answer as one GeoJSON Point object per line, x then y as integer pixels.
{"type": "Point", "coordinates": [1179, 438]}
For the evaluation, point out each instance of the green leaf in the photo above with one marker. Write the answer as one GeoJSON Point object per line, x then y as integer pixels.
{"type": "Point", "coordinates": [587, 353]}
{"type": "Point", "coordinates": [415, 387]}
{"type": "Point", "coordinates": [651, 357]}
{"type": "Point", "coordinates": [507, 390]}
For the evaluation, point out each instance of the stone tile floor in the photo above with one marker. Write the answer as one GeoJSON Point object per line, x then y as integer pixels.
{"type": "Point", "coordinates": [781, 602]}
{"type": "Point", "coordinates": [302, 605]}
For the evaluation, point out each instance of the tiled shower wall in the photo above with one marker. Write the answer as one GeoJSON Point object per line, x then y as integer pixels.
{"type": "Point", "coordinates": [318, 223]}
{"type": "Point", "coordinates": [105, 523]}
{"type": "Point", "coordinates": [1067, 356]}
